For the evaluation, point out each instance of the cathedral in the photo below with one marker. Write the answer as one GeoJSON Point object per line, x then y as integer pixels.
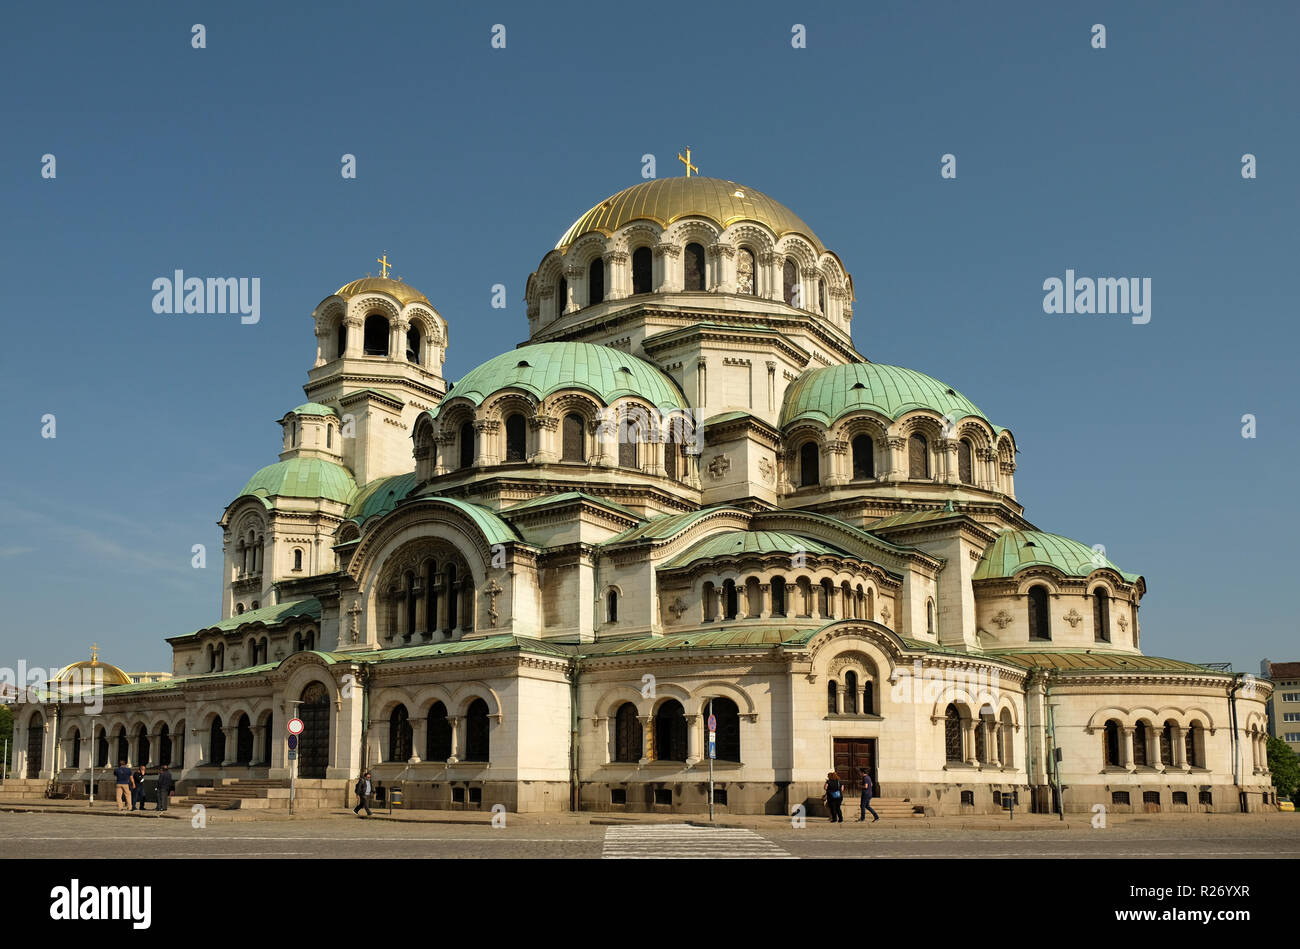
{"type": "Point", "coordinates": [685, 529]}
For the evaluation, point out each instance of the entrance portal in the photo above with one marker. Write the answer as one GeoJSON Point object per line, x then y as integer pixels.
{"type": "Point", "coordinates": [314, 744]}
{"type": "Point", "coordinates": [852, 754]}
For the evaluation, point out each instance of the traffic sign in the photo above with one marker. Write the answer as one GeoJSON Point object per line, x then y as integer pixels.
{"type": "Point", "coordinates": [293, 755]}
{"type": "Point", "coordinates": [713, 724]}
{"type": "Point", "coordinates": [713, 744]}
{"type": "Point", "coordinates": [293, 742]}
{"type": "Point", "coordinates": [295, 726]}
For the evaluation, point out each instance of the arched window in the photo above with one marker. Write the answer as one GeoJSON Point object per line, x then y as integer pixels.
{"type": "Point", "coordinates": [76, 748]}
{"type": "Point", "coordinates": [374, 341]}
{"type": "Point", "coordinates": [595, 281]}
{"type": "Point", "coordinates": [918, 457]}
{"type": "Point", "coordinates": [243, 741]}
{"type": "Point", "coordinates": [219, 656]}
{"type": "Point", "coordinates": [477, 732]}
{"type": "Point", "coordinates": [142, 745]}
{"type": "Point", "coordinates": [628, 742]}
{"type": "Point", "coordinates": [1167, 743]}
{"type": "Point", "coordinates": [693, 265]}
{"type": "Point", "coordinates": [729, 606]}
{"type": "Point", "coordinates": [437, 737]}
{"type": "Point", "coordinates": [611, 606]}
{"type": "Point", "coordinates": [952, 733]}
{"type": "Point", "coordinates": [164, 745]}
{"type": "Point", "coordinates": [808, 470]}
{"type": "Point", "coordinates": [467, 445]}
{"type": "Point", "coordinates": [1101, 616]}
{"type": "Point", "coordinates": [1140, 735]}
{"type": "Point", "coordinates": [864, 463]}
{"type": "Point", "coordinates": [790, 283]}
{"type": "Point", "coordinates": [574, 439]}
{"type": "Point", "coordinates": [929, 617]}
{"type": "Point", "coordinates": [35, 745]}
{"type": "Point", "coordinates": [216, 742]}
{"type": "Point", "coordinates": [746, 281]}
{"type": "Point", "coordinates": [1110, 744]}
{"type": "Point", "coordinates": [516, 438]}
{"type": "Point", "coordinates": [832, 697]}
{"type": "Point", "coordinates": [297, 558]}
{"type": "Point", "coordinates": [329, 436]}
{"type": "Point", "coordinates": [629, 435]}
{"type": "Point", "coordinates": [642, 270]}
{"type": "Point", "coordinates": [400, 735]}
{"type": "Point", "coordinates": [1194, 746]}
{"type": "Point", "coordinates": [101, 749]}
{"type": "Point", "coordinates": [413, 345]}
{"type": "Point", "coordinates": [342, 337]}
{"type": "Point", "coordinates": [728, 732]}
{"type": "Point", "coordinates": [965, 462]}
{"type": "Point", "coordinates": [1039, 617]}
{"type": "Point", "coordinates": [778, 596]}
{"type": "Point", "coordinates": [562, 296]}
{"type": "Point", "coordinates": [851, 692]}
{"type": "Point", "coordinates": [670, 732]}
{"type": "Point", "coordinates": [821, 296]}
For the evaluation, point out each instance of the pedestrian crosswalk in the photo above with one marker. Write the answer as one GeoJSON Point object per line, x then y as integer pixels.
{"type": "Point", "coordinates": [683, 841]}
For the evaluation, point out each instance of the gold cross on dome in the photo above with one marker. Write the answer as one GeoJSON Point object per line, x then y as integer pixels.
{"type": "Point", "coordinates": [383, 263]}
{"type": "Point", "coordinates": [687, 162]}
{"type": "Point", "coordinates": [94, 652]}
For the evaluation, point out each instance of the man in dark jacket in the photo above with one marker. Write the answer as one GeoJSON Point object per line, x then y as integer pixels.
{"type": "Point", "coordinates": [364, 790]}
{"type": "Point", "coordinates": [137, 792]}
{"type": "Point", "coordinates": [866, 799]}
{"type": "Point", "coordinates": [165, 785]}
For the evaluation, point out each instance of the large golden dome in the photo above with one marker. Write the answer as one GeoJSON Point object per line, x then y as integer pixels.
{"type": "Point", "coordinates": [664, 200]}
{"type": "Point", "coordinates": [88, 670]}
{"type": "Point", "coordinates": [403, 292]}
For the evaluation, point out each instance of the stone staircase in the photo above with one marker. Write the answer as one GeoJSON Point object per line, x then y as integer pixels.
{"type": "Point", "coordinates": [266, 794]}
{"type": "Point", "coordinates": [889, 808]}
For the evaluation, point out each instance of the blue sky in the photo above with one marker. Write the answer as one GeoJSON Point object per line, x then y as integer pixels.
{"type": "Point", "coordinates": [1123, 161]}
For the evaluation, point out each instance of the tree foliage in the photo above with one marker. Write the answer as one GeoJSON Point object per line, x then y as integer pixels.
{"type": "Point", "coordinates": [1285, 765]}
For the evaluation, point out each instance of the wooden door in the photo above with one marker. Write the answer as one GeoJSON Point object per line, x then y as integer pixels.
{"type": "Point", "coordinates": [853, 755]}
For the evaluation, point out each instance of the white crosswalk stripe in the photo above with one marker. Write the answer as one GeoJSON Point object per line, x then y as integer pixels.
{"type": "Point", "coordinates": [683, 841]}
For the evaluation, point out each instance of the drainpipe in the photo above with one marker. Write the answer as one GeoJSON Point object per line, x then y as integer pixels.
{"type": "Point", "coordinates": [363, 678]}
{"type": "Point", "coordinates": [574, 796]}
{"type": "Point", "coordinates": [1232, 737]}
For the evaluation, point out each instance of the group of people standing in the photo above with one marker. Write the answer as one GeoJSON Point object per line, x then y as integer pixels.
{"type": "Point", "coordinates": [130, 787]}
{"type": "Point", "coordinates": [834, 797]}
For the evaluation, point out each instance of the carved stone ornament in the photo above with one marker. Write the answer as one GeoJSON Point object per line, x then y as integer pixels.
{"type": "Point", "coordinates": [1073, 618]}
{"type": "Point", "coordinates": [493, 590]}
{"type": "Point", "coordinates": [884, 614]}
{"type": "Point", "coordinates": [1123, 623]}
{"type": "Point", "coordinates": [719, 466]}
{"type": "Point", "coordinates": [766, 469]}
{"type": "Point", "coordinates": [1003, 619]}
{"type": "Point", "coordinates": [678, 608]}
{"type": "Point", "coordinates": [354, 627]}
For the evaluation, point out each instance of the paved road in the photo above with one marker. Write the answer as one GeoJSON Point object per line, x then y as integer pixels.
{"type": "Point", "coordinates": [63, 835]}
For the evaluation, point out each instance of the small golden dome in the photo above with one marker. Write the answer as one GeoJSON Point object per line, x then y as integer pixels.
{"type": "Point", "coordinates": [664, 200]}
{"type": "Point", "coordinates": [87, 670]}
{"type": "Point", "coordinates": [395, 288]}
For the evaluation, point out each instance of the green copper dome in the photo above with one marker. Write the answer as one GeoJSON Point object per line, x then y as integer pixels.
{"type": "Point", "coordinates": [302, 478]}
{"type": "Point", "coordinates": [313, 408]}
{"type": "Point", "coordinates": [740, 543]}
{"type": "Point", "coordinates": [828, 394]}
{"type": "Point", "coordinates": [544, 368]}
{"type": "Point", "coordinates": [380, 496]}
{"type": "Point", "coordinates": [1014, 551]}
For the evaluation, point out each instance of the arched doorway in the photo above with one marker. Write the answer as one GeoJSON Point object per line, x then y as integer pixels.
{"type": "Point", "coordinates": [35, 745]}
{"type": "Point", "coordinates": [314, 744]}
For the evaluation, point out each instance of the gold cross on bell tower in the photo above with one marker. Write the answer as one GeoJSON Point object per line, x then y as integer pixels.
{"type": "Point", "coordinates": [687, 162]}
{"type": "Point", "coordinates": [383, 264]}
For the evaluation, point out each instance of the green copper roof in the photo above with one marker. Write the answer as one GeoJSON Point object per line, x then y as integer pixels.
{"type": "Point", "coordinates": [270, 615]}
{"type": "Point", "coordinates": [565, 497]}
{"type": "Point", "coordinates": [912, 517]}
{"type": "Point", "coordinates": [495, 530]}
{"type": "Point", "coordinates": [1014, 551]}
{"type": "Point", "coordinates": [1099, 662]}
{"type": "Point", "coordinates": [544, 368]}
{"type": "Point", "coordinates": [829, 393]}
{"type": "Point", "coordinates": [380, 496]}
{"type": "Point", "coordinates": [466, 646]}
{"type": "Point", "coordinates": [666, 525]}
{"type": "Point", "coordinates": [302, 478]}
{"type": "Point", "coordinates": [724, 637]}
{"type": "Point", "coordinates": [314, 408]}
{"type": "Point", "coordinates": [739, 543]}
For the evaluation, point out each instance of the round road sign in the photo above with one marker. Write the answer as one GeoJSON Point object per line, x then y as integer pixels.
{"type": "Point", "coordinates": [713, 723]}
{"type": "Point", "coordinates": [295, 726]}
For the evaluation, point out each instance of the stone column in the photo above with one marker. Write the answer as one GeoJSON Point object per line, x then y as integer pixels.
{"type": "Point", "coordinates": [1127, 747]}
{"type": "Point", "coordinates": [835, 455]}
{"type": "Point", "coordinates": [808, 278]}
{"type": "Point", "coordinates": [353, 347]}
{"type": "Point", "coordinates": [720, 607]}
{"type": "Point", "coordinates": [485, 442]}
{"type": "Point", "coordinates": [440, 585]}
{"type": "Point", "coordinates": [397, 339]}
{"type": "Point", "coordinates": [968, 740]}
{"type": "Point", "coordinates": [323, 334]}
{"type": "Point", "coordinates": [694, 740]}
{"type": "Point", "coordinates": [232, 744]}
{"type": "Point", "coordinates": [419, 735]}
{"type": "Point", "coordinates": [1177, 747]}
{"type": "Point", "coordinates": [815, 595]}
{"type": "Point", "coordinates": [765, 598]}
{"type": "Point", "coordinates": [895, 449]}
{"type": "Point", "coordinates": [722, 261]}
{"type": "Point", "coordinates": [991, 743]}
{"type": "Point", "coordinates": [155, 749]}
{"type": "Point", "coordinates": [572, 301]}
{"type": "Point", "coordinates": [862, 700]}
{"type": "Point", "coordinates": [1153, 756]}
{"type": "Point", "coordinates": [647, 737]}
{"type": "Point", "coordinates": [619, 284]}
{"type": "Point", "coordinates": [839, 698]}
{"type": "Point", "coordinates": [948, 455]}
{"type": "Point", "coordinates": [457, 737]}
{"type": "Point", "coordinates": [668, 263]}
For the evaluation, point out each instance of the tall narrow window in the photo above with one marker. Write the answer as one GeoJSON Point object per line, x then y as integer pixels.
{"type": "Point", "coordinates": [778, 596]}
{"type": "Point", "coordinates": [216, 742]}
{"type": "Point", "coordinates": [730, 599]}
{"type": "Point", "coordinates": [516, 438]}
{"type": "Point", "coordinates": [864, 464]}
{"type": "Point", "coordinates": [1167, 743]}
{"type": "Point", "coordinates": [374, 341]}
{"type": "Point", "coordinates": [343, 341]}
{"type": "Point", "coordinates": [745, 272]}
{"type": "Point", "coordinates": [629, 436]}
{"type": "Point", "coordinates": [808, 471]}
{"type": "Point", "coordinates": [399, 735]}
{"type": "Point", "coordinates": [628, 741]}
{"type": "Point", "coordinates": [1039, 617]}
{"type": "Point", "coordinates": [595, 281]}
{"type": "Point", "coordinates": [76, 748]}
{"type": "Point", "coordinates": [790, 283]}
{"type": "Point", "coordinates": [1101, 616]}
{"type": "Point", "coordinates": [642, 270]}
{"type": "Point", "coordinates": [832, 697]}
{"type": "Point", "coordinates": [1140, 733]}
{"type": "Point", "coordinates": [477, 732]}
{"type": "Point", "coordinates": [918, 457]}
{"type": "Point", "coordinates": [611, 606]}
{"type": "Point", "coordinates": [671, 451]}
{"type": "Point", "coordinates": [693, 264]}
{"type": "Point", "coordinates": [297, 558]}
{"type": "Point", "coordinates": [1192, 746]}
{"type": "Point", "coordinates": [851, 692]}
{"type": "Point", "coordinates": [965, 462]}
{"type": "Point", "coordinates": [574, 438]}
{"type": "Point", "coordinates": [437, 737]}
{"type": "Point", "coordinates": [929, 617]}
{"type": "Point", "coordinates": [670, 731]}
{"type": "Point", "coordinates": [1110, 744]}
{"type": "Point", "coordinates": [561, 296]}
{"type": "Point", "coordinates": [821, 296]}
{"type": "Point", "coordinates": [952, 734]}
{"type": "Point", "coordinates": [467, 445]}
{"type": "Point", "coordinates": [413, 345]}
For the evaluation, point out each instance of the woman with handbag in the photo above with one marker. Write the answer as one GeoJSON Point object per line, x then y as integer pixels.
{"type": "Point", "coordinates": [834, 797]}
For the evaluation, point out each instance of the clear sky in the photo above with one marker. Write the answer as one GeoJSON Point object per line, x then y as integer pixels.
{"type": "Point", "coordinates": [471, 161]}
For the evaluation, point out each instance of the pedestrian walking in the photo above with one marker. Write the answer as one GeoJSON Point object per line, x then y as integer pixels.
{"type": "Point", "coordinates": [834, 797]}
{"type": "Point", "coordinates": [125, 784]}
{"type": "Point", "coordinates": [866, 799]}
{"type": "Point", "coordinates": [137, 790]}
{"type": "Point", "coordinates": [166, 784]}
{"type": "Point", "coordinates": [364, 790]}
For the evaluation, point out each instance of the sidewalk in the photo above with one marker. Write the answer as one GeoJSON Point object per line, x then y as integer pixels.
{"type": "Point", "coordinates": [1021, 822]}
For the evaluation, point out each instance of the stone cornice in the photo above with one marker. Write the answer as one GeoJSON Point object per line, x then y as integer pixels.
{"type": "Point", "coordinates": [655, 346]}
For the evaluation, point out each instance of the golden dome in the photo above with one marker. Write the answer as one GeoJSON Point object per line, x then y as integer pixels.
{"type": "Point", "coordinates": [394, 288]}
{"type": "Point", "coordinates": [88, 669]}
{"type": "Point", "coordinates": [664, 200]}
